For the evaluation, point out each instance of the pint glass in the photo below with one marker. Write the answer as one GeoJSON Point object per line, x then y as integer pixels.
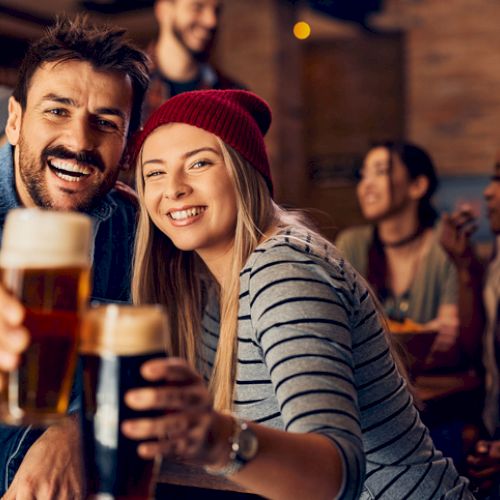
{"type": "Point", "coordinates": [45, 263]}
{"type": "Point", "coordinates": [116, 341]}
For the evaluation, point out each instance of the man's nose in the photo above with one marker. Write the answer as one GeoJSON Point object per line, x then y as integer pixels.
{"type": "Point", "coordinates": [81, 135]}
{"type": "Point", "coordinates": [210, 18]}
{"type": "Point", "coordinates": [487, 192]}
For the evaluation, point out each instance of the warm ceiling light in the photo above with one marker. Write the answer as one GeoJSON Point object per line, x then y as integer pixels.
{"type": "Point", "coordinates": [301, 30]}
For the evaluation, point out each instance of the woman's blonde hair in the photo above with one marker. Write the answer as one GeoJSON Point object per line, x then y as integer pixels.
{"type": "Point", "coordinates": [179, 279]}
{"type": "Point", "coordinates": [163, 274]}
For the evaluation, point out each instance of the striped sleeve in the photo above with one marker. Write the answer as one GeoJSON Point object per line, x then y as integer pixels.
{"type": "Point", "coordinates": [299, 314]}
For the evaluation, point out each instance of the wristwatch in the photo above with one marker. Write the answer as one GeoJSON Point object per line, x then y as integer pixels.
{"type": "Point", "coordinates": [244, 445]}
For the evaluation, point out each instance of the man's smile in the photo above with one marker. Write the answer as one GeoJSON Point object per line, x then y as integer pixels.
{"type": "Point", "coordinates": [69, 170]}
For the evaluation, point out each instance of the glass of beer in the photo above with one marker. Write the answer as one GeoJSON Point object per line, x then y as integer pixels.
{"type": "Point", "coordinates": [45, 262]}
{"type": "Point", "coordinates": [116, 340]}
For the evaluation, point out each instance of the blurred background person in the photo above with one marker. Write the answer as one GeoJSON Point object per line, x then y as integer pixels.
{"type": "Point", "coordinates": [421, 282]}
{"type": "Point", "coordinates": [181, 53]}
{"type": "Point", "coordinates": [400, 252]}
{"type": "Point", "coordinates": [484, 463]}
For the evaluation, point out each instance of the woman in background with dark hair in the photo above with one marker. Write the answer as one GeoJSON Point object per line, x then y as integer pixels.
{"type": "Point", "coordinates": [401, 254]}
{"type": "Point", "coordinates": [419, 271]}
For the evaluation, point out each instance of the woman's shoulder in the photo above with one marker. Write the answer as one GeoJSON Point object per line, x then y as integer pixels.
{"type": "Point", "coordinates": [294, 242]}
{"type": "Point", "coordinates": [355, 235]}
{"type": "Point", "coordinates": [296, 248]}
{"type": "Point", "coordinates": [436, 254]}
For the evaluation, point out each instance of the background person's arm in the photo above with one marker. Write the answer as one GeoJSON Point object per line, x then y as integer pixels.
{"type": "Point", "coordinates": [455, 240]}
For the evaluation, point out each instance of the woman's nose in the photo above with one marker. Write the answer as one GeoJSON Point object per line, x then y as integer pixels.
{"type": "Point", "coordinates": [176, 188]}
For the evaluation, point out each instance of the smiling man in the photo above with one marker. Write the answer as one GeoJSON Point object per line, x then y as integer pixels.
{"type": "Point", "coordinates": [187, 31]}
{"type": "Point", "coordinates": [77, 100]}
{"type": "Point", "coordinates": [70, 136]}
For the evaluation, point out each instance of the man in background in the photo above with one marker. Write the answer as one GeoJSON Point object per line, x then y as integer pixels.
{"type": "Point", "coordinates": [186, 36]}
{"type": "Point", "coordinates": [484, 463]}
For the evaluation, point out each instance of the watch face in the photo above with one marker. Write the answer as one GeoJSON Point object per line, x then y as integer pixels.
{"type": "Point", "coordinates": [248, 445]}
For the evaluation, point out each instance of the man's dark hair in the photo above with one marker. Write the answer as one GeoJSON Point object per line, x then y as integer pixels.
{"type": "Point", "coordinates": [104, 47]}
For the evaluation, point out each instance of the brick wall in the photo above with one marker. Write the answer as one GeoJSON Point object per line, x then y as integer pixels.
{"type": "Point", "coordinates": [450, 101]}
{"type": "Point", "coordinates": [257, 47]}
{"type": "Point", "coordinates": [452, 78]}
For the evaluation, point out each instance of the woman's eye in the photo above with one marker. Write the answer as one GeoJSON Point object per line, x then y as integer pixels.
{"type": "Point", "coordinates": [152, 173]}
{"type": "Point", "coordinates": [199, 164]}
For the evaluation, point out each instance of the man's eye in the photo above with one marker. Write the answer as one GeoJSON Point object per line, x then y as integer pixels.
{"type": "Point", "coordinates": [108, 124]}
{"type": "Point", "coordinates": [57, 111]}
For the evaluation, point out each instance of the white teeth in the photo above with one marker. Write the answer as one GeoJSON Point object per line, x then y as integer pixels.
{"type": "Point", "coordinates": [59, 167]}
{"type": "Point", "coordinates": [68, 177]}
{"type": "Point", "coordinates": [184, 214]}
{"type": "Point", "coordinates": [70, 166]}
{"type": "Point", "coordinates": [370, 198]}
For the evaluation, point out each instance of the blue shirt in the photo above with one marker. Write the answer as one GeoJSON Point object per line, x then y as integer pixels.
{"type": "Point", "coordinates": [114, 221]}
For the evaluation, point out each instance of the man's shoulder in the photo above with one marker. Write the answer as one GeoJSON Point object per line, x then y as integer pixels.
{"type": "Point", "coordinates": [6, 156]}
{"type": "Point", "coordinates": [125, 206]}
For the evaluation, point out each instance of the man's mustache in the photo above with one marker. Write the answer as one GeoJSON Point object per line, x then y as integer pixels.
{"type": "Point", "coordinates": [91, 158]}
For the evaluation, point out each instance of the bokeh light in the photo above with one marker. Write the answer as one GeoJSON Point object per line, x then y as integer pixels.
{"type": "Point", "coordinates": [302, 30]}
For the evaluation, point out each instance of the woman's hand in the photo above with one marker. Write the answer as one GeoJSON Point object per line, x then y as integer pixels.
{"type": "Point", "coordinates": [188, 428]}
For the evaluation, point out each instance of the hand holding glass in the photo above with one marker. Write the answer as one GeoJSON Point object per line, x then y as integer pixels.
{"type": "Point", "coordinates": [45, 264]}
{"type": "Point", "coordinates": [116, 341]}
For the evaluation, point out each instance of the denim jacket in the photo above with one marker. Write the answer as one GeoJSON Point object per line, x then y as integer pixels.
{"type": "Point", "coordinates": [114, 228]}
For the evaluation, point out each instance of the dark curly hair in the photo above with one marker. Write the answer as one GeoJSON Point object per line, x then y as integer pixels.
{"type": "Point", "coordinates": [104, 47]}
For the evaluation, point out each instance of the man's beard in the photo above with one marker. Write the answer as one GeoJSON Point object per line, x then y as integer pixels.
{"type": "Point", "coordinates": [199, 55]}
{"type": "Point", "coordinates": [32, 172]}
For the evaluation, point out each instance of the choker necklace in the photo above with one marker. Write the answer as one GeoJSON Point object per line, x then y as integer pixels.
{"type": "Point", "coordinates": [404, 241]}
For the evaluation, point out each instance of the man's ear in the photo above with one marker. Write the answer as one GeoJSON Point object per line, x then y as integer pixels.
{"type": "Point", "coordinates": [13, 125]}
{"type": "Point", "coordinates": [419, 187]}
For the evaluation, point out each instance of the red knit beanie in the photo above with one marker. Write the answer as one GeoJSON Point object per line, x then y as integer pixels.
{"type": "Point", "coordinates": [238, 117]}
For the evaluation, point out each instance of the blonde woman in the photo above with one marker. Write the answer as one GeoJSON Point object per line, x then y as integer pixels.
{"type": "Point", "coordinates": [304, 399]}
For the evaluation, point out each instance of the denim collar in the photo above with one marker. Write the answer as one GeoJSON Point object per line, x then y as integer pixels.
{"type": "Point", "coordinates": [8, 195]}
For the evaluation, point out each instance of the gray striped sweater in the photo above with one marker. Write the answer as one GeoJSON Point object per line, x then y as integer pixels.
{"type": "Point", "coordinates": [313, 357]}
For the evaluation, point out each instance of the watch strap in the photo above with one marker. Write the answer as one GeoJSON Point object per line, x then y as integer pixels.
{"type": "Point", "coordinates": [236, 462]}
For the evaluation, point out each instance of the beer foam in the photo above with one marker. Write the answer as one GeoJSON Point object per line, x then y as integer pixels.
{"type": "Point", "coordinates": [34, 238]}
{"type": "Point", "coordinates": [124, 330]}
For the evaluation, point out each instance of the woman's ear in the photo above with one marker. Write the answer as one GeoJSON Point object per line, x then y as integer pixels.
{"type": "Point", "coordinates": [13, 125]}
{"type": "Point", "coordinates": [419, 187]}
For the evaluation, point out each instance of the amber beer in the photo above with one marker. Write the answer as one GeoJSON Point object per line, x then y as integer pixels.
{"type": "Point", "coordinates": [45, 263]}
{"type": "Point", "coordinates": [116, 341]}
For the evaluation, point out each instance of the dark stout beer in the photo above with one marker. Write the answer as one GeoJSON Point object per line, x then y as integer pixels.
{"type": "Point", "coordinates": [116, 341]}
{"type": "Point", "coordinates": [45, 263]}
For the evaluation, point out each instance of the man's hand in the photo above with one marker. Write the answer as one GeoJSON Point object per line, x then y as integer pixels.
{"type": "Point", "coordinates": [484, 464]}
{"type": "Point", "coordinates": [14, 338]}
{"type": "Point", "coordinates": [52, 468]}
{"type": "Point", "coordinates": [456, 233]}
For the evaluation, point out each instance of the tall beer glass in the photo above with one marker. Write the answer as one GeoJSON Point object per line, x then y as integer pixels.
{"type": "Point", "coordinates": [45, 263]}
{"type": "Point", "coordinates": [116, 341]}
